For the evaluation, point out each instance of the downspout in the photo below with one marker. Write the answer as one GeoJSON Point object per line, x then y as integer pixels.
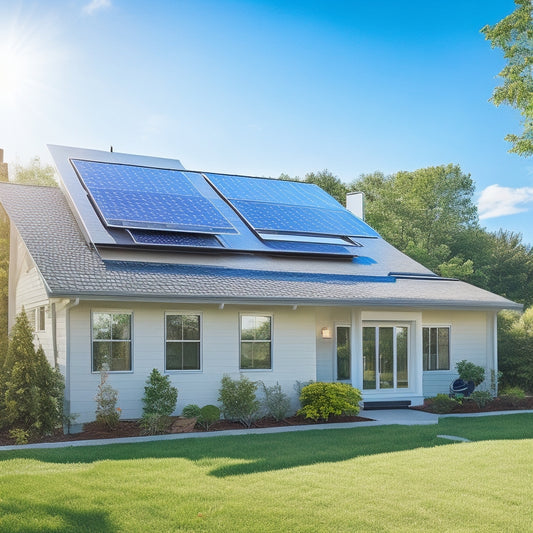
{"type": "Point", "coordinates": [66, 406]}
{"type": "Point", "coordinates": [54, 334]}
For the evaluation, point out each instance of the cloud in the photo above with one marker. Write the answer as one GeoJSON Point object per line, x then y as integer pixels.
{"type": "Point", "coordinates": [496, 201]}
{"type": "Point", "coordinates": [96, 5]}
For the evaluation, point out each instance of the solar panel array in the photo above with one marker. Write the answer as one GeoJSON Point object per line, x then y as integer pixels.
{"type": "Point", "coordinates": [288, 207]}
{"type": "Point", "coordinates": [193, 210]}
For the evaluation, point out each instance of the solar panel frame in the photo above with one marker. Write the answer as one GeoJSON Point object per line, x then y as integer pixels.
{"type": "Point", "coordinates": [173, 239]}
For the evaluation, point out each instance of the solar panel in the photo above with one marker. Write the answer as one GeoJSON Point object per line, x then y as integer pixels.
{"type": "Point", "coordinates": [131, 196]}
{"type": "Point", "coordinates": [288, 207]}
{"type": "Point", "coordinates": [165, 238]}
{"type": "Point", "coordinates": [311, 248]}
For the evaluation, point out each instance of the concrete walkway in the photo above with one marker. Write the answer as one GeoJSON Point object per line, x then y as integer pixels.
{"type": "Point", "coordinates": [403, 417]}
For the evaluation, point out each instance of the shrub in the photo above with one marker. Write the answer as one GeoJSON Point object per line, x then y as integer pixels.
{"type": "Point", "coordinates": [31, 390]}
{"type": "Point", "coordinates": [442, 404]}
{"type": "Point", "coordinates": [238, 400]}
{"type": "Point", "coordinates": [106, 398]}
{"type": "Point", "coordinates": [20, 436]}
{"type": "Point", "coordinates": [208, 415]}
{"type": "Point", "coordinates": [275, 402]}
{"type": "Point", "coordinates": [470, 372]}
{"type": "Point", "coordinates": [481, 397]}
{"type": "Point", "coordinates": [513, 395]}
{"type": "Point", "coordinates": [321, 400]}
{"type": "Point", "coordinates": [159, 402]}
{"type": "Point", "coordinates": [191, 411]}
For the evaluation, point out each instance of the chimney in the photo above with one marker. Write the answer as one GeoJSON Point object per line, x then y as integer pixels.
{"type": "Point", "coordinates": [355, 203]}
{"type": "Point", "coordinates": [3, 167]}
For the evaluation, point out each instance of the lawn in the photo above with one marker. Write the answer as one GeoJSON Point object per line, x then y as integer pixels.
{"type": "Point", "coordinates": [387, 478]}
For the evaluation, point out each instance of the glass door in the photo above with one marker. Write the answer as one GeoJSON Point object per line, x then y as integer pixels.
{"type": "Point", "coordinates": [385, 357]}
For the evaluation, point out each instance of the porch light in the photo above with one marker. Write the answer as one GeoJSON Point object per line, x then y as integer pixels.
{"type": "Point", "coordinates": [326, 332]}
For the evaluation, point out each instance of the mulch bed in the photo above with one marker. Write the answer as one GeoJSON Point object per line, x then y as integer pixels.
{"type": "Point", "coordinates": [497, 404]}
{"type": "Point", "coordinates": [131, 428]}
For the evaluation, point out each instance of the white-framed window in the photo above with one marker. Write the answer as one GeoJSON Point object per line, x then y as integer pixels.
{"type": "Point", "coordinates": [436, 347]}
{"type": "Point", "coordinates": [344, 355]}
{"type": "Point", "coordinates": [41, 318]}
{"type": "Point", "coordinates": [183, 341]}
{"type": "Point", "coordinates": [256, 342]}
{"type": "Point", "coordinates": [112, 340]}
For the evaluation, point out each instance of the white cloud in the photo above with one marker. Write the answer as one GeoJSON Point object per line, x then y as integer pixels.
{"type": "Point", "coordinates": [96, 5]}
{"type": "Point", "coordinates": [496, 201]}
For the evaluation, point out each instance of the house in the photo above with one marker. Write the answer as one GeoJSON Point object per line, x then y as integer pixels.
{"type": "Point", "coordinates": [143, 264]}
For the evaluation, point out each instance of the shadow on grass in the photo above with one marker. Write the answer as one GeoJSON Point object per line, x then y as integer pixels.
{"type": "Point", "coordinates": [261, 453]}
{"type": "Point", "coordinates": [52, 518]}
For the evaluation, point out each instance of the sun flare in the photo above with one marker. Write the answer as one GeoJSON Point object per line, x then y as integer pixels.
{"type": "Point", "coordinates": [17, 69]}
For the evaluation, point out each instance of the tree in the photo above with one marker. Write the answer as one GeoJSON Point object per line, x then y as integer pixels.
{"type": "Point", "coordinates": [35, 174]}
{"type": "Point", "coordinates": [422, 212]}
{"type": "Point", "coordinates": [514, 35]}
{"type": "Point", "coordinates": [32, 392]}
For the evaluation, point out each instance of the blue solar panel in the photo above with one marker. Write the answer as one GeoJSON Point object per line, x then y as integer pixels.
{"type": "Point", "coordinates": [165, 238]}
{"type": "Point", "coordinates": [150, 198]}
{"type": "Point", "coordinates": [288, 207]}
{"type": "Point", "coordinates": [311, 248]}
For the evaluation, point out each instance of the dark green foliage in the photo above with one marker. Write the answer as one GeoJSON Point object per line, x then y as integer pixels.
{"type": "Point", "coordinates": [442, 404]}
{"type": "Point", "coordinates": [275, 402]}
{"type": "Point", "coordinates": [191, 411]}
{"type": "Point", "coordinates": [238, 400]}
{"type": "Point", "coordinates": [515, 349]}
{"type": "Point", "coordinates": [514, 35]}
{"type": "Point", "coordinates": [160, 397]}
{"type": "Point", "coordinates": [468, 371]}
{"type": "Point", "coordinates": [208, 415]}
{"type": "Point", "coordinates": [322, 400]}
{"type": "Point", "coordinates": [513, 394]}
{"type": "Point", "coordinates": [32, 391]}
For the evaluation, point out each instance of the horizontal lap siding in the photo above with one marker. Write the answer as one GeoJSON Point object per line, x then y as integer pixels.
{"type": "Point", "coordinates": [468, 340]}
{"type": "Point", "coordinates": [293, 355]}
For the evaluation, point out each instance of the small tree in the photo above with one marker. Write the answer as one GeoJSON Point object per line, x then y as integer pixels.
{"type": "Point", "coordinates": [106, 398]}
{"type": "Point", "coordinates": [32, 392]}
{"type": "Point", "coordinates": [470, 372]}
{"type": "Point", "coordinates": [160, 399]}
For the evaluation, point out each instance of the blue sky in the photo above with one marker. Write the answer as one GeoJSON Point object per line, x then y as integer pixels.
{"type": "Point", "coordinates": [265, 87]}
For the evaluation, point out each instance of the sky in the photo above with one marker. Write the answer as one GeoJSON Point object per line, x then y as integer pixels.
{"type": "Point", "coordinates": [264, 87]}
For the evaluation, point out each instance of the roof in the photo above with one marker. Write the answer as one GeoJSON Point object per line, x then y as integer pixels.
{"type": "Point", "coordinates": [71, 266]}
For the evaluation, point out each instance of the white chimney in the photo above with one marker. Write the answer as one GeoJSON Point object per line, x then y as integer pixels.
{"type": "Point", "coordinates": [355, 203]}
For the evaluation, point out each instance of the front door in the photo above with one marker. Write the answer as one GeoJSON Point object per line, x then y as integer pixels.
{"type": "Point", "coordinates": [385, 357]}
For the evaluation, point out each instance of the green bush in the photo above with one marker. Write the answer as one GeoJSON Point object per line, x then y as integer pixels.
{"type": "Point", "coordinates": [275, 402]}
{"type": "Point", "coordinates": [470, 372]}
{"type": "Point", "coordinates": [31, 390]}
{"type": "Point", "coordinates": [442, 404]}
{"type": "Point", "coordinates": [322, 400]}
{"type": "Point", "coordinates": [191, 411]}
{"type": "Point", "coordinates": [107, 412]}
{"type": "Point", "coordinates": [208, 415]}
{"type": "Point", "coordinates": [481, 397]}
{"type": "Point", "coordinates": [513, 395]}
{"type": "Point", "coordinates": [238, 400]}
{"type": "Point", "coordinates": [20, 436]}
{"type": "Point", "coordinates": [159, 402]}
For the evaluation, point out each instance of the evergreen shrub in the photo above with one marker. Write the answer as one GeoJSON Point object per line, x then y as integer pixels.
{"type": "Point", "coordinates": [321, 400]}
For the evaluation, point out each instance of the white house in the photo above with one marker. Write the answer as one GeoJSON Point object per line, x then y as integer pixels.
{"type": "Point", "coordinates": [140, 262]}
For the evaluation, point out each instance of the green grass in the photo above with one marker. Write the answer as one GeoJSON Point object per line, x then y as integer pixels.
{"type": "Point", "coordinates": [388, 478]}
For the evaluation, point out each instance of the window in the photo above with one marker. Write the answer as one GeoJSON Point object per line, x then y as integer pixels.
{"type": "Point", "coordinates": [343, 353]}
{"type": "Point", "coordinates": [182, 350]}
{"type": "Point", "coordinates": [111, 335]}
{"type": "Point", "coordinates": [42, 318]}
{"type": "Point", "coordinates": [385, 357]}
{"type": "Point", "coordinates": [256, 342]}
{"type": "Point", "coordinates": [436, 348]}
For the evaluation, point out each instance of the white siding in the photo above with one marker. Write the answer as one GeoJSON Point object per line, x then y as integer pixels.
{"type": "Point", "coordinates": [469, 339]}
{"type": "Point", "coordinates": [293, 357]}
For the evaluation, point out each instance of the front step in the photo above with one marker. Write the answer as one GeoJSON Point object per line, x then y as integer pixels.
{"type": "Point", "coordinates": [391, 404]}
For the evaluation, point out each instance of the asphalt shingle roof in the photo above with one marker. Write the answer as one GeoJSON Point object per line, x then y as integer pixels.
{"type": "Point", "coordinates": [71, 267]}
